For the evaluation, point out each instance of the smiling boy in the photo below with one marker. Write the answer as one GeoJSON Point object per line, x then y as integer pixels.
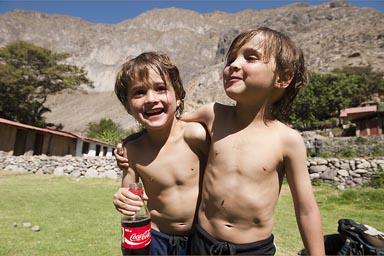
{"type": "Point", "coordinates": [168, 155]}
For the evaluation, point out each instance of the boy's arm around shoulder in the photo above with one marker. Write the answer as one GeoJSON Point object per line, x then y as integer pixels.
{"type": "Point", "coordinates": [197, 137]}
{"type": "Point", "coordinates": [203, 115]}
{"type": "Point", "coordinates": [306, 209]}
{"type": "Point", "coordinates": [120, 151]}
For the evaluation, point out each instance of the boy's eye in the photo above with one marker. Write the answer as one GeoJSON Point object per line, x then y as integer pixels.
{"type": "Point", "coordinates": [138, 93]}
{"type": "Point", "coordinates": [162, 88]}
{"type": "Point", "coordinates": [252, 57]}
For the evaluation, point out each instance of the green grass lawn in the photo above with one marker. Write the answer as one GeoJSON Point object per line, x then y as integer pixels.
{"type": "Point", "coordinates": [77, 217]}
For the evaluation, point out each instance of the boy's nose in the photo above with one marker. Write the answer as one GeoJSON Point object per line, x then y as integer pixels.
{"type": "Point", "coordinates": [151, 97]}
{"type": "Point", "coordinates": [235, 64]}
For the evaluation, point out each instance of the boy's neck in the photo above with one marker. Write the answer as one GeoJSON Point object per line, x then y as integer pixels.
{"type": "Point", "coordinates": [247, 114]}
{"type": "Point", "coordinates": [161, 136]}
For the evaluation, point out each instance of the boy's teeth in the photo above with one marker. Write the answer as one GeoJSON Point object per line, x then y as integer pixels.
{"type": "Point", "coordinates": [154, 111]}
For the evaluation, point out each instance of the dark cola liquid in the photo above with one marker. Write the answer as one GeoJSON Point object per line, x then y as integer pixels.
{"type": "Point", "coordinates": [137, 224]}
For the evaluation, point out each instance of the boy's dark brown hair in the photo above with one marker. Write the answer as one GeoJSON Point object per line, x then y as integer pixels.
{"type": "Point", "coordinates": [136, 70]}
{"type": "Point", "coordinates": [289, 61]}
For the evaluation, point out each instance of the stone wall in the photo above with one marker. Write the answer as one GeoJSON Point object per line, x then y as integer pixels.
{"type": "Point", "coordinates": [345, 173]}
{"type": "Point", "coordinates": [88, 167]}
{"type": "Point", "coordinates": [368, 146]}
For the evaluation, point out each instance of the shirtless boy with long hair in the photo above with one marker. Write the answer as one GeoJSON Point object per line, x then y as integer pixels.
{"type": "Point", "coordinates": [251, 151]}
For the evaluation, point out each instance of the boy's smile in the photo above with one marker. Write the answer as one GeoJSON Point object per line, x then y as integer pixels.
{"type": "Point", "coordinates": [154, 112]}
{"type": "Point", "coordinates": [234, 79]}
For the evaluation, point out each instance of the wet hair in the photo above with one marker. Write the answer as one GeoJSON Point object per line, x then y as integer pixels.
{"type": "Point", "coordinates": [136, 70]}
{"type": "Point", "coordinates": [289, 62]}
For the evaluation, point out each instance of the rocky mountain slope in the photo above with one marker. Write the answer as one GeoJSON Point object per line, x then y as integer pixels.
{"type": "Point", "coordinates": [332, 35]}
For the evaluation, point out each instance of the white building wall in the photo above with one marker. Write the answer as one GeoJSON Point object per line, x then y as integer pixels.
{"type": "Point", "coordinates": [92, 149]}
{"type": "Point", "coordinates": [79, 147]}
{"type": "Point", "coordinates": [109, 152]}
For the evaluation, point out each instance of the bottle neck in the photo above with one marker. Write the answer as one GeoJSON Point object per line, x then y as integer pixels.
{"type": "Point", "coordinates": [138, 192]}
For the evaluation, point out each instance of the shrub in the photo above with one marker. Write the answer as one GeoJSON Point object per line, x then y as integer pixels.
{"type": "Point", "coordinates": [378, 150]}
{"type": "Point", "coordinates": [377, 180]}
{"type": "Point", "coordinates": [106, 130]}
{"type": "Point", "coordinates": [361, 140]}
{"type": "Point", "coordinates": [348, 152]}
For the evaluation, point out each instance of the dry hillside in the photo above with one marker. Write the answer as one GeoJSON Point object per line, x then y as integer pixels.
{"type": "Point", "coordinates": [332, 35]}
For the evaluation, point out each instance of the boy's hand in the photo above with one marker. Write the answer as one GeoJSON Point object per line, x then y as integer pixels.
{"type": "Point", "coordinates": [120, 154]}
{"type": "Point", "coordinates": [120, 151]}
{"type": "Point", "coordinates": [126, 202]}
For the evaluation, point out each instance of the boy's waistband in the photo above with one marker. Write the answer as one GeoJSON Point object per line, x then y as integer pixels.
{"type": "Point", "coordinates": [261, 243]}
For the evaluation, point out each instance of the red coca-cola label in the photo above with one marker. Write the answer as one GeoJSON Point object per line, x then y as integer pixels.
{"type": "Point", "coordinates": [136, 191]}
{"type": "Point", "coordinates": [136, 237]}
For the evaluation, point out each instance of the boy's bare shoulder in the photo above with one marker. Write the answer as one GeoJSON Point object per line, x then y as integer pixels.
{"type": "Point", "coordinates": [289, 136]}
{"type": "Point", "coordinates": [196, 136]}
{"type": "Point", "coordinates": [135, 138]}
{"type": "Point", "coordinates": [214, 107]}
{"type": "Point", "coordinates": [194, 131]}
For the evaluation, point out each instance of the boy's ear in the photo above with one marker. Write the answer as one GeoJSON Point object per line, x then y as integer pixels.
{"type": "Point", "coordinates": [283, 80]}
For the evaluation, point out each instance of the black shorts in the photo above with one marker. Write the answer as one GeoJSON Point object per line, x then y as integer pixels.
{"type": "Point", "coordinates": [204, 244]}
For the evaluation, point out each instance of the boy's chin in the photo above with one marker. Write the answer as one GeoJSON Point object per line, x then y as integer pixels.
{"type": "Point", "coordinates": [232, 94]}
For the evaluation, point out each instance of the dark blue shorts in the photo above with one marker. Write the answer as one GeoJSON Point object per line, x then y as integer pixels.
{"type": "Point", "coordinates": [204, 244]}
{"type": "Point", "coordinates": [164, 244]}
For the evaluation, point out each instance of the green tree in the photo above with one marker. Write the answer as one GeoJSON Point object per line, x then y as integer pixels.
{"type": "Point", "coordinates": [327, 94]}
{"type": "Point", "coordinates": [106, 130]}
{"type": "Point", "coordinates": [28, 74]}
{"type": "Point", "coordinates": [364, 83]}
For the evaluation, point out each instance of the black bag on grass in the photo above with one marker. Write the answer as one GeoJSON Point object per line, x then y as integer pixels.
{"type": "Point", "coordinates": [353, 239]}
{"type": "Point", "coordinates": [360, 239]}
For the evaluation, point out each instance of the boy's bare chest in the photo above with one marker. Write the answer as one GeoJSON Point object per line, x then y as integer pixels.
{"type": "Point", "coordinates": [247, 152]}
{"type": "Point", "coordinates": [173, 163]}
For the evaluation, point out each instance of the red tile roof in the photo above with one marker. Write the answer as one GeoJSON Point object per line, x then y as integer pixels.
{"type": "Point", "coordinates": [51, 131]}
{"type": "Point", "coordinates": [358, 110]}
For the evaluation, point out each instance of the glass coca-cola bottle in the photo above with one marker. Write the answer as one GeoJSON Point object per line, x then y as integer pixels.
{"type": "Point", "coordinates": [136, 229]}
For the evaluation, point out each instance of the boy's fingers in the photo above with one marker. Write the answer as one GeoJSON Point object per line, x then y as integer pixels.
{"type": "Point", "coordinates": [121, 159]}
{"type": "Point", "coordinates": [119, 149]}
{"type": "Point", "coordinates": [122, 162]}
{"type": "Point", "coordinates": [145, 197]}
{"type": "Point", "coordinates": [126, 209]}
{"type": "Point", "coordinates": [127, 213]}
{"type": "Point", "coordinates": [123, 165]}
{"type": "Point", "coordinates": [126, 205]}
